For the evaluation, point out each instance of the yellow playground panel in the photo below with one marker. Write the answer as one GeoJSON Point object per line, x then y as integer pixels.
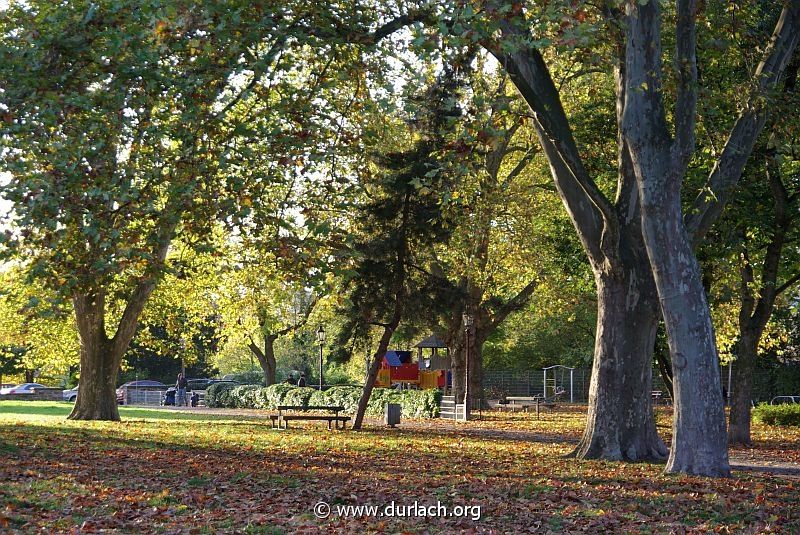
{"type": "Point", "coordinates": [429, 379]}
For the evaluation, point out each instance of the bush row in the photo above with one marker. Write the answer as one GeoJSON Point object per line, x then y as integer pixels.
{"type": "Point", "coordinates": [777, 414]}
{"type": "Point", "coordinates": [414, 403]}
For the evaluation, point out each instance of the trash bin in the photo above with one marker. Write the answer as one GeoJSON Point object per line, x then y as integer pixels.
{"type": "Point", "coordinates": [392, 417]}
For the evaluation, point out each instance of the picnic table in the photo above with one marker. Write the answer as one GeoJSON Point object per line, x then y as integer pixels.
{"type": "Point", "coordinates": [527, 402]}
{"type": "Point", "coordinates": [332, 417]}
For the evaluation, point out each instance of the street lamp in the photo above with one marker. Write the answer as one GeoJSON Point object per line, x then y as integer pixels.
{"type": "Point", "coordinates": [321, 340]}
{"type": "Point", "coordinates": [467, 318]}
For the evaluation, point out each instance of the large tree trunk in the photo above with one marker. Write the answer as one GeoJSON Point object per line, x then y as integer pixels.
{"type": "Point", "coordinates": [100, 362]}
{"type": "Point", "coordinates": [699, 440]}
{"type": "Point", "coordinates": [476, 342]}
{"type": "Point", "coordinates": [458, 372]}
{"type": "Point", "coordinates": [266, 358]}
{"type": "Point", "coordinates": [620, 423]}
{"type": "Point", "coordinates": [739, 429]}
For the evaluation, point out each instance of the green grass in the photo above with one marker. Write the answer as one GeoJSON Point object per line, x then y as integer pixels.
{"type": "Point", "coordinates": [60, 409]}
{"type": "Point", "coordinates": [216, 473]}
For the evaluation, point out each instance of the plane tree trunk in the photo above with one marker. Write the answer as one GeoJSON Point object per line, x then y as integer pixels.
{"type": "Point", "coordinates": [620, 423]}
{"type": "Point", "coordinates": [101, 355]}
{"type": "Point", "coordinates": [266, 357]}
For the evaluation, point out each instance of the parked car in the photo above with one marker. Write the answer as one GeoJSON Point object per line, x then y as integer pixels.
{"type": "Point", "coordinates": [24, 388]}
{"type": "Point", "coordinates": [71, 395]}
{"type": "Point", "coordinates": [203, 384]}
{"type": "Point", "coordinates": [783, 400]}
{"type": "Point", "coordinates": [145, 384]}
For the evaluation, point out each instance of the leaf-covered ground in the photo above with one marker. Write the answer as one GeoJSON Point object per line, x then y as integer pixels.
{"type": "Point", "coordinates": [165, 471]}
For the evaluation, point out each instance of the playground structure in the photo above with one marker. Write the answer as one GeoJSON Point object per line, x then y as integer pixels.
{"type": "Point", "coordinates": [429, 371]}
{"type": "Point", "coordinates": [432, 370]}
{"type": "Point", "coordinates": [398, 368]}
{"type": "Point", "coordinates": [555, 386]}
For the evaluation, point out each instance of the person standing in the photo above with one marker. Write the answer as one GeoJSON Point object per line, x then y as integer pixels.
{"type": "Point", "coordinates": [302, 380]}
{"type": "Point", "coordinates": [180, 385]}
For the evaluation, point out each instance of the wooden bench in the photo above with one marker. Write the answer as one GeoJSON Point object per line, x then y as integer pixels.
{"type": "Point", "coordinates": [281, 418]}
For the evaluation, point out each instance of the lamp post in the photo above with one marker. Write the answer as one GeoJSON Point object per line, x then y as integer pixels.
{"type": "Point", "coordinates": [321, 340]}
{"type": "Point", "coordinates": [467, 318]}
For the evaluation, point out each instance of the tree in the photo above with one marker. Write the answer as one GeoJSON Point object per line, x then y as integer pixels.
{"type": "Point", "coordinates": [11, 360]}
{"type": "Point", "coordinates": [489, 260]}
{"type": "Point", "coordinates": [115, 134]}
{"type": "Point", "coordinates": [660, 162]}
{"type": "Point", "coordinates": [759, 236]}
{"type": "Point", "coordinates": [36, 327]}
{"type": "Point", "coordinates": [388, 276]}
{"type": "Point", "coordinates": [258, 305]}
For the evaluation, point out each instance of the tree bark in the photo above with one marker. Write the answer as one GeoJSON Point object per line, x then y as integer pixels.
{"type": "Point", "coordinates": [746, 351]}
{"type": "Point", "coordinates": [100, 362]}
{"type": "Point", "coordinates": [375, 365]}
{"type": "Point", "coordinates": [699, 440]}
{"type": "Point", "coordinates": [620, 424]}
{"type": "Point", "coordinates": [101, 356]}
{"type": "Point", "coordinates": [266, 358]}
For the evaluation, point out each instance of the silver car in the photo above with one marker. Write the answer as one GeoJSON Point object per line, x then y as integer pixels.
{"type": "Point", "coordinates": [24, 388]}
{"type": "Point", "coordinates": [71, 395]}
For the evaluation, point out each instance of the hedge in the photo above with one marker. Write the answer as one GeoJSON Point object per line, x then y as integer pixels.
{"type": "Point", "coordinates": [414, 403]}
{"type": "Point", "coordinates": [786, 415]}
{"type": "Point", "coordinates": [217, 394]}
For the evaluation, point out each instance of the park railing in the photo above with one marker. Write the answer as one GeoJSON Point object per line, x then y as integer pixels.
{"type": "Point", "coordinates": [766, 383]}
{"type": "Point", "coordinates": [142, 396]}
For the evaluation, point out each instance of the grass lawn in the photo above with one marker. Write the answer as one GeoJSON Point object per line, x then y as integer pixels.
{"type": "Point", "coordinates": [167, 471]}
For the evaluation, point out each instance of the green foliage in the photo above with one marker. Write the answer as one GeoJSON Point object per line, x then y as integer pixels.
{"type": "Point", "coordinates": [217, 394]}
{"type": "Point", "coordinates": [243, 396]}
{"type": "Point", "coordinates": [414, 403]}
{"type": "Point", "coordinates": [274, 395]}
{"type": "Point", "coordinates": [299, 396]}
{"type": "Point", "coordinates": [784, 415]}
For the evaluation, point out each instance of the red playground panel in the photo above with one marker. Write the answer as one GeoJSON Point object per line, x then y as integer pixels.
{"type": "Point", "coordinates": [400, 366]}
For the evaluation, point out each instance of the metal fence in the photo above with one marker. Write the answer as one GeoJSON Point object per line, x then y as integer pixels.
{"type": "Point", "coordinates": [499, 383]}
{"type": "Point", "coordinates": [142, 396]}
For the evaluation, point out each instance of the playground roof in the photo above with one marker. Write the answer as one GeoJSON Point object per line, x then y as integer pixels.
{"type": "Point", "coordinates": [431, 341]}
{"type": "Point", "coordinates": [397, 358]}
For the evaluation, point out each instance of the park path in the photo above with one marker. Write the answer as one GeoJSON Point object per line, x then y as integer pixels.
{"type": "Point", "coordinates": [756, 461]}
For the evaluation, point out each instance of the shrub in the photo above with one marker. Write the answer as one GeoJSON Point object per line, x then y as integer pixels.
{"type": "Point", "coordinates": [215, 391]}
{"type": "Point", "coordinates": [343, 396]}
{"type": "Point", "coordinates": [273, 395]}
{"type": "Point", "coordinates": [299, 396]}
{"type": "Point", "coordinates": [319, 398]}
{"type": "Point", "coordinates": [261, 398]}
{"type": "Point", "coordinates": [243, 397]}
{"type": "Point", "coordinates": [414, 403]}
{"type": "Point", "coordinates": [787, 415]}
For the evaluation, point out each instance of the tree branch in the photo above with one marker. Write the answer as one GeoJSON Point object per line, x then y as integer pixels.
{"type": "Point", "coordinates": [590, 211]}
{"type": "Point", "coordinates": [708, 205]}
{"type": "Point", "coordinates": [686, 67]}
{"type": "Point", "coordinates": [512, 305]}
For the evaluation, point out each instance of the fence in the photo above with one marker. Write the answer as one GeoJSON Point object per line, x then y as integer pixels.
{"type": "Point", "coordinates": [498, 383]}
{"type": "Point", "coordinates": [142, 396]}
